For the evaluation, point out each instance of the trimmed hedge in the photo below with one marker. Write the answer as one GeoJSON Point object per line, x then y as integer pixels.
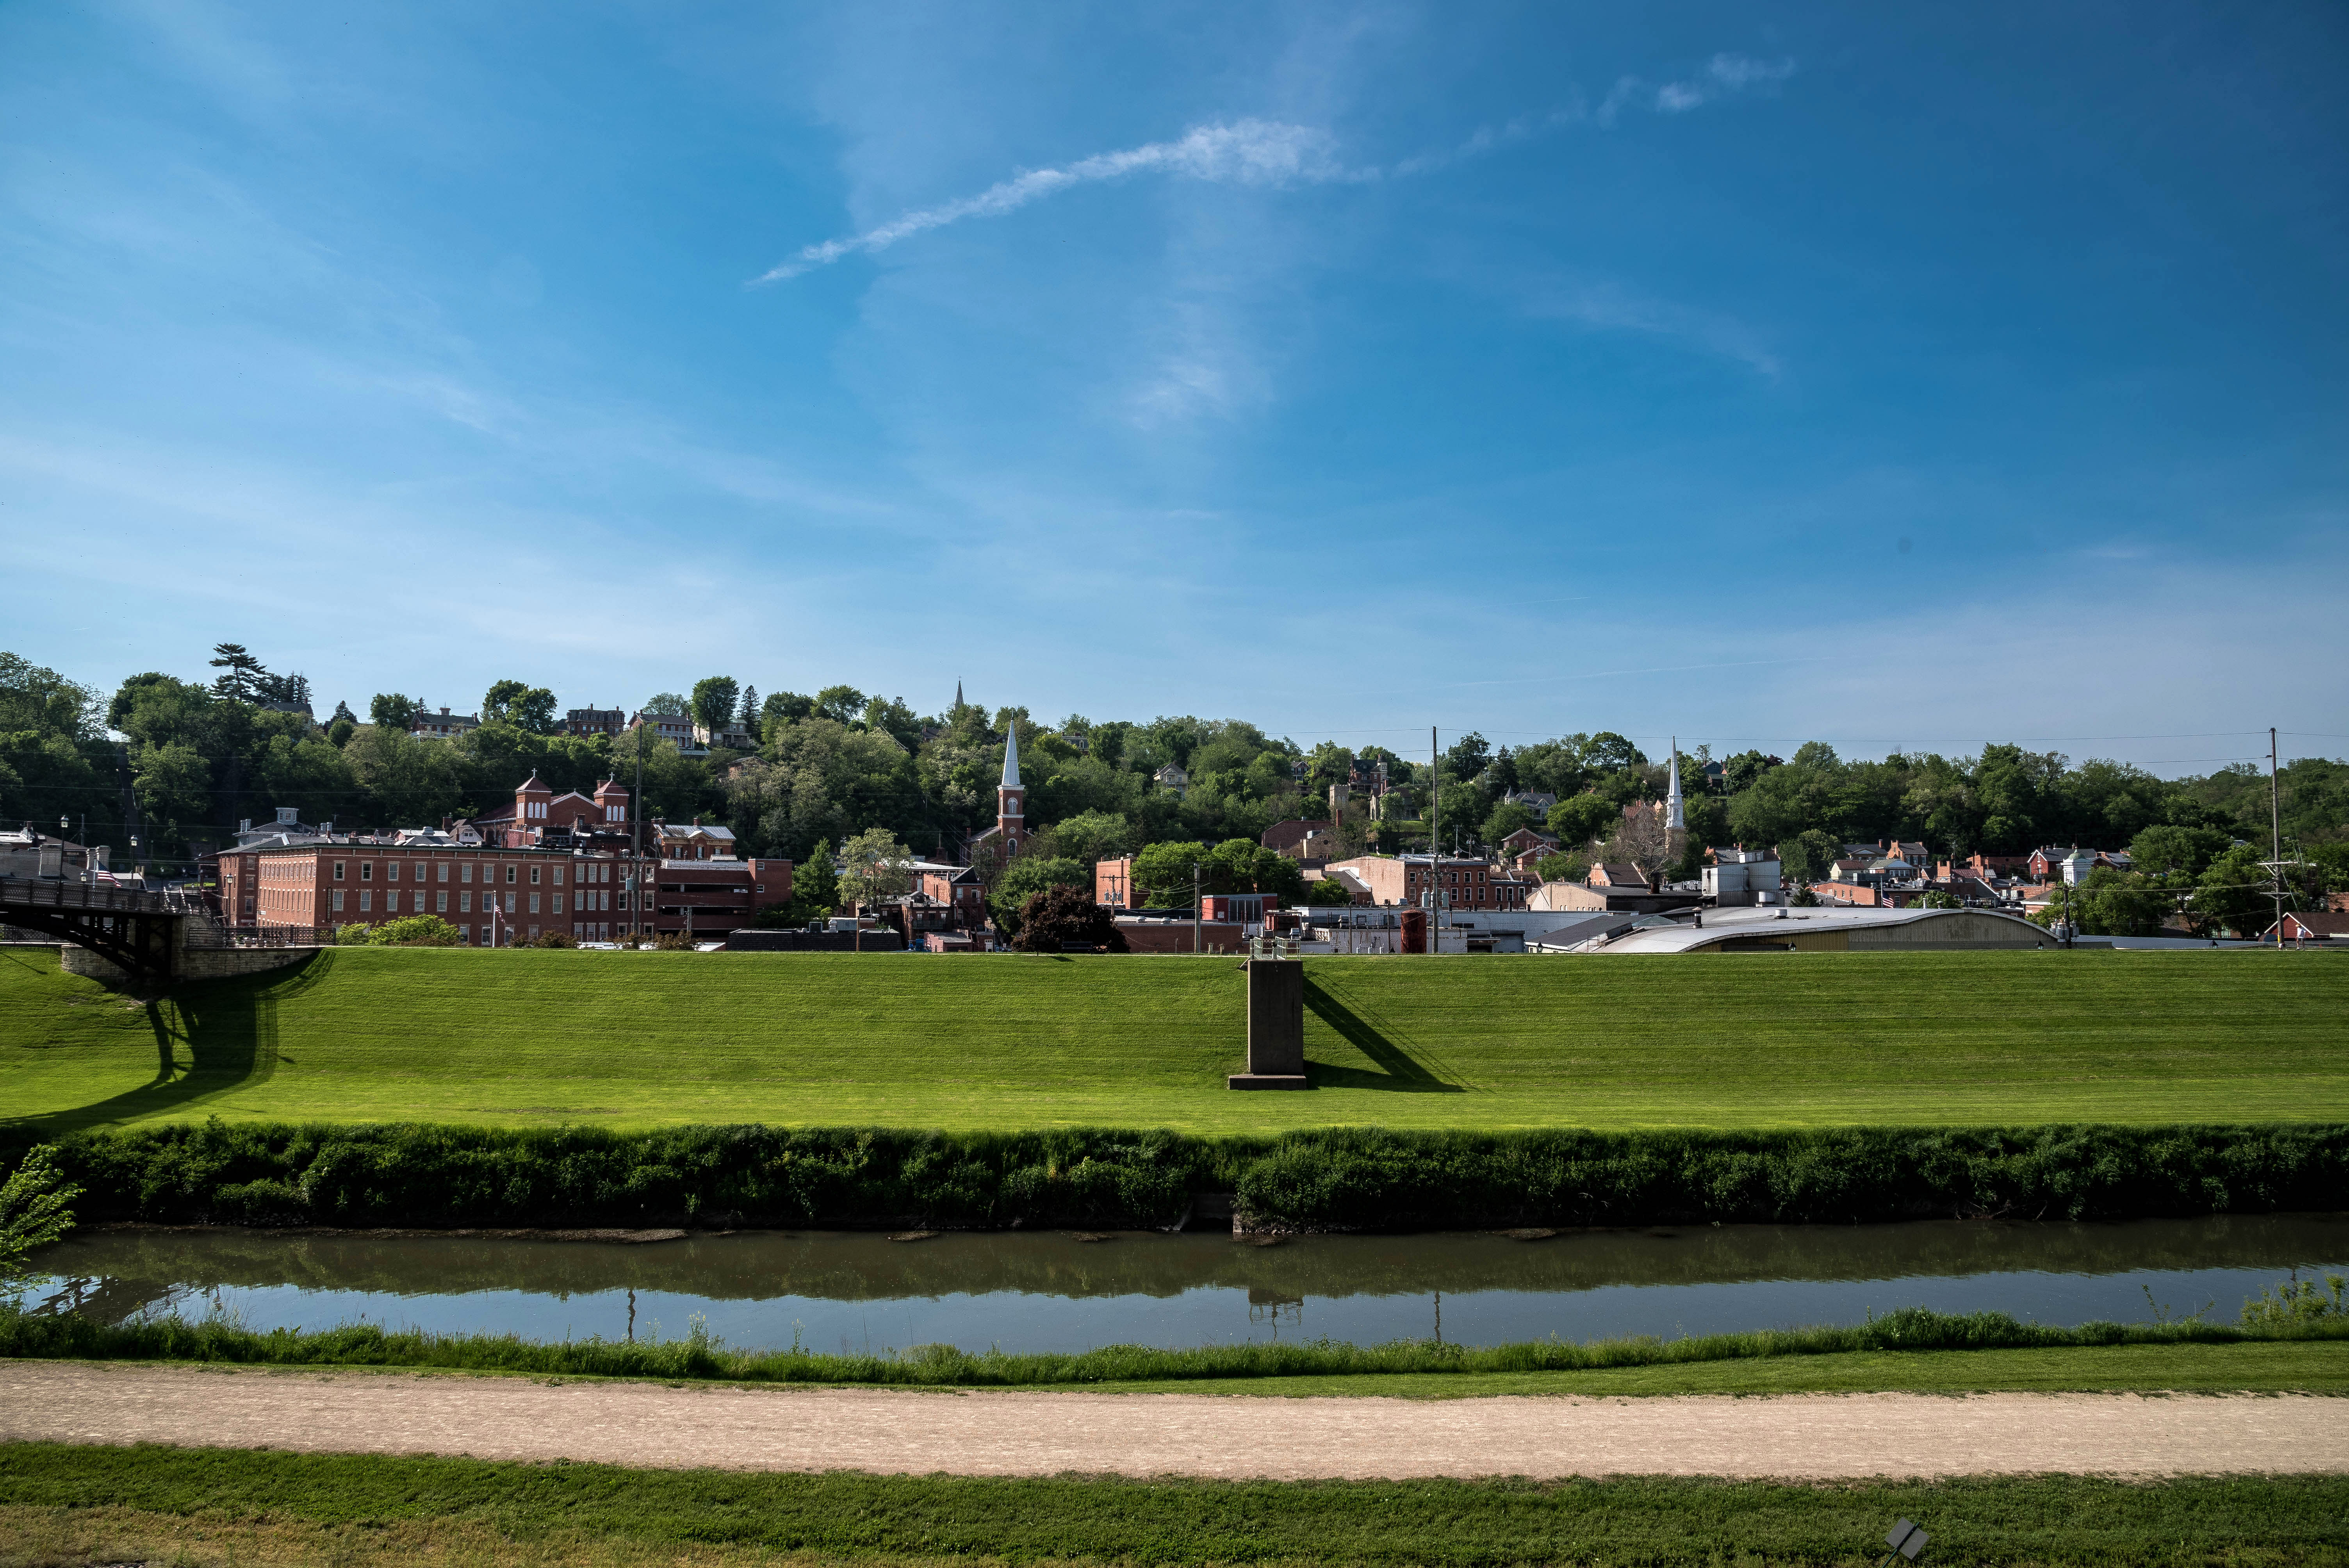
{"type": "Point", "coordinates": [430, 1176]}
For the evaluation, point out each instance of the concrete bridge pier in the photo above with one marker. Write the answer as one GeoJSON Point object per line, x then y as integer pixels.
{"type": "Point", "coordinates": [1276, 1026]}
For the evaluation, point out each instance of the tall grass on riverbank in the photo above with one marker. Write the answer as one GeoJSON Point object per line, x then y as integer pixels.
{"type": "Point", "coordinates": [702, 1355]}
{"type": "Point", "coordinates": [1335, 1179]}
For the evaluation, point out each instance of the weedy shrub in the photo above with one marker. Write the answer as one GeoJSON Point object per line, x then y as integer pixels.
{"type": "Point", "coordinates": [2296, 1301]}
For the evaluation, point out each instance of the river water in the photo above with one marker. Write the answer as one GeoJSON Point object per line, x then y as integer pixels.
{"type": "Point", "coordinates": [831, 1291]}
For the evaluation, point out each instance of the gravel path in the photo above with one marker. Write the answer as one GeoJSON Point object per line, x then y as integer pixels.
{"type": "Point", "coordinates": [1812, 1436]}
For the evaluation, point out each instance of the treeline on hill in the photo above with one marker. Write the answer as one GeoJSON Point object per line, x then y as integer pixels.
{"type": "Point", "coordinates": [1365, 1180]}
{"type": "Point", "coordinates": [815, 770]}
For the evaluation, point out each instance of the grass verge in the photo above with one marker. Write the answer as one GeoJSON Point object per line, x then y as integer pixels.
{"type": "Point", "coordinates": [2318, 1348]}
{"type": "Point", "coordinates": [357, 1508]}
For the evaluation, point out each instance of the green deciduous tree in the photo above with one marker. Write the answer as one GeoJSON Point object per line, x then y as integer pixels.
{"type": "Point", "coordinates": [2234, 893]}
{"type": "Point", "coordinates": [389, 711]}
{"type": "Point", "coordinates": [526, 708]}
{"type": "Point", "coordinates": [1163, 872]}
{"type": "Point", "coordinates": [1029, 875]}
{"type": "Point", "coordinates": [1506, 819]}
{"type": "Point", "coordinates": [713, 702]}
{"type": "Point", "coordinates": [1810, 855]}
{"type": "Point", "coordinates": [1059, 917]}
{"type": "Point", "coordinates": [33, 1210]}
{"type": "Point", "coordinates": [414, 930]}
{"type": "Point", "coordinates": [1329, 891]}
{"type": "Point", "coordinates": [1572, 867]}
{"type": "Point", "coordinates": [1091, 836]}
{"type": "Point", "coordinates": [1579, 818]}
{"type": "Point", "coordinates": [2187, 852]}
{"type": "Point", "coordinates": [875, 867]}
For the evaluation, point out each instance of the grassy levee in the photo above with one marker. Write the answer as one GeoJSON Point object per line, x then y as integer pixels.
{"type": "Point", "coordinates": [90, 1504]}
{"type": "Point", "coordinates": [1011, 1043]}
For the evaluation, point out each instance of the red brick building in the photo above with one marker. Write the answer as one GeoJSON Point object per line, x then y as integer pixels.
{"type": "Point", "coordinates": [1465, 883]}
{"type": "Point", "coordinates": [547, 863]}
{"type": "Point", "coordinates": [491, 895]}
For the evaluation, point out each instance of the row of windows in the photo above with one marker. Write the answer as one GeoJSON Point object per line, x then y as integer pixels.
{"type": "Point", "coordinates": [599, 899]}
{"type": "Point", "coordinates": [587, 874]}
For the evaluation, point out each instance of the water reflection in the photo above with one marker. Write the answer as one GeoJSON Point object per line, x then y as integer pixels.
{"type": "Point", "coordinates": [1022, 1291]}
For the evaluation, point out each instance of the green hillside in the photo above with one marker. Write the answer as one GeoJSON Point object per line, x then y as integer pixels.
{"type": "Point", "coordinates": [633, 1040]}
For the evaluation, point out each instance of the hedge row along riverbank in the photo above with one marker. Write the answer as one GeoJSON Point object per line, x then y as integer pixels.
{"type": "Point", "coordinates": [1331, 1180]}
{"type": "Point", "coordinates": [700, 1354]}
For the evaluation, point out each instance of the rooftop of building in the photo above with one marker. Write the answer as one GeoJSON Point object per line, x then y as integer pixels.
{"type": "Point", "coordinates": [1657, 934]}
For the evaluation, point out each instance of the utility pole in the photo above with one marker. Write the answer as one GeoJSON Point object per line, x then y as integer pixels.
{"type": "Point", "coordinates": [1195, 906]}
{"type": "Point", "coordinates": [637, 857]}
{"type": "Point", "coordinates": [1434, 842]}
{"type": "Point", "coordinates": [2275, 833]}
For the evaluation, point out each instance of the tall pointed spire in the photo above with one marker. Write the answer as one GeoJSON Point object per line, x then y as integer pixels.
{"type": "Point", "coordinates": [1012, 756]}
{"type": "Point", "coordinates": [957, 697]}
{"type": "Point", "coordinates": [1675, 809]}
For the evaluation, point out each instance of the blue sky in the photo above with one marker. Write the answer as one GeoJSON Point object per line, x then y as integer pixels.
{"type": "Point", "coordinates": [1894, 375]}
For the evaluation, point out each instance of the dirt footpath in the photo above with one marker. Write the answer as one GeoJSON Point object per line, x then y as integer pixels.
{"type": "Point", "coordinates": [1811, 1436]}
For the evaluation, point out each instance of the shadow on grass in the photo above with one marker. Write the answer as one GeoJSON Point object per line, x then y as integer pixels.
{"type": "Point", "coordinates": [225, 1029]}
{"type": "Point", "coordinates": [1402, 1071]}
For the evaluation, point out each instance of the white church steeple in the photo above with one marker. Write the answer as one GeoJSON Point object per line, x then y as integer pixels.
{"type": "Point", "coordinates": [1675, 809]}
{"type": "Point", "coordinates": [1011, 796]}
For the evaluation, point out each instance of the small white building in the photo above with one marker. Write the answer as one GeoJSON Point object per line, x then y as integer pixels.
{"type": "Point", "coordinates": [1742, 877]}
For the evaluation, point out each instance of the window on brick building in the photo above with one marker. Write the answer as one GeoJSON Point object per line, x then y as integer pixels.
{"type": "Point", "coordinates": [444, 871]}
{"type": "Point", "coordinates": [339, 900]}
{"type": "Point", "coordinates": [510, 874]}
{"type": "Point", "coordinates": [465, 902]}
{"type": "Point", "coordinates": [465, 873]}
{"type": "Point", "coordinates": [391, 871]}
{"type": "Point", "coordinates": [338, 870]}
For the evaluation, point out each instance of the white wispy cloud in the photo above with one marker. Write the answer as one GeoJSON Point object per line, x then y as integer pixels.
{"type": "Point", "coordinates": [1723, 73]}
{"type": "Point", "coordinates": [1242, 152]}
{"type": "Point", "coordinates": [1275, 152]}
{"type": "Point", "coordinates": [1612, 308]}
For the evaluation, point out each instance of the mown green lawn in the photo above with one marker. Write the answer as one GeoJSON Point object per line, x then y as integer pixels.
{"type": "Point", "coordinates": [978, 1043]}
{"type": "Point", "coordinates": [92, 1504]}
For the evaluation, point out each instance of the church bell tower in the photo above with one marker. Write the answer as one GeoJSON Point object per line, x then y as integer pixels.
{"type": "Point", "coordinates": [1011, 796]}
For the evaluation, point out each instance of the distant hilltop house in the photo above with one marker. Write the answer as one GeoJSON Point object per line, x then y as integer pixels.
{"type": "Point", "coordinates": [1171, 776]}
{"type": "Point", "coordinates": [444, 725]}
{"type": "Point", "coordinates": [1527, 845]}
{"type": "Point", "coordinates": [2073, 865]}
{"type": "Point", "coordinates": [594, 721]}
{"type": "Point", "coordinates": [674, 728]}
{"type": "Point", "coordinates": [731, 737]}
{"type": "Point", "coordinates": [1294, 838]}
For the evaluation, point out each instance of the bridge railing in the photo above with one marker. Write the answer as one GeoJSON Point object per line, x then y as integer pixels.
{"type": "Point", "coordinates": [278, 936]}
{"type": "Point", "coordinates": [42, 893]}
